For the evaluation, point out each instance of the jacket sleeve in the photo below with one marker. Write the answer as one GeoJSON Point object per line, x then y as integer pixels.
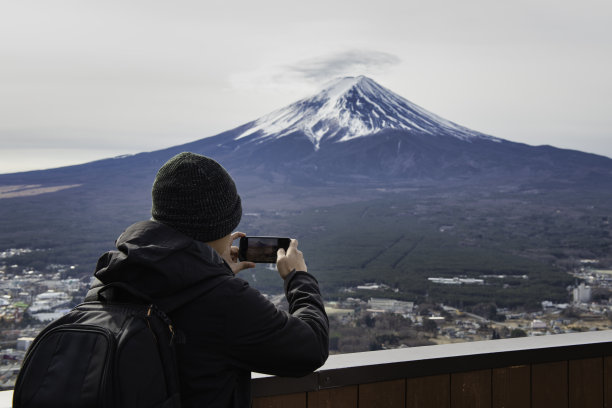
{"type": "Point", "coordinates": [264, 339]}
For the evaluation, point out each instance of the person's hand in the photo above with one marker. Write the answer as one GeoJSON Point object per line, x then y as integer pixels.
{"type": "Point", "coordinates": [292, 259]}
{"type": "Point", "coordinates": [231, 255]}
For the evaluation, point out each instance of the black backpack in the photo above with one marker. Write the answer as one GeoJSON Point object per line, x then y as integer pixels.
{"type": "Point", "coordinates": [103, 354]}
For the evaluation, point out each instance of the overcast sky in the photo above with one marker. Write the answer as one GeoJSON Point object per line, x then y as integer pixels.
{"type": "Point", "coordinates": [82, 80]}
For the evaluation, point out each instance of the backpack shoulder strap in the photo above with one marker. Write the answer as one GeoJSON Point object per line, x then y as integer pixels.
{"type": "Point", "coordinates": [107, 291]}
{"type": "Point", "coordinates": [124, 292]}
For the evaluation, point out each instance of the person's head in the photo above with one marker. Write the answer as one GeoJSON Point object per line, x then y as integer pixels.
{"type": "Point", "coordinates": [196, 196]}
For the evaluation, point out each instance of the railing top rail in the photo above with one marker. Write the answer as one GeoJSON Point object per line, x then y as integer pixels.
{"type": "Point", "coordinates": [476, 348]}
{"type": "Point", "coordinates": [359, 368]}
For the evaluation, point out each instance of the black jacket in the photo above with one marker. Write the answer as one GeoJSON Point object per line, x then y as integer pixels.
{"type": "Point", "coordinates": [230, 329]}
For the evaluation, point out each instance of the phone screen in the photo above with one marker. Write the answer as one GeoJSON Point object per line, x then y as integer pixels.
{"type": "Point", "coordinates": [261, 249]}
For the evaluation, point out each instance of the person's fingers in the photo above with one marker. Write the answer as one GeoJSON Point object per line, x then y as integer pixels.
{"type": "Point", "coordinates": [237, 234]}
{"type": "Point", "coordinates": [293, 244]}
{"type": "Point", "coordinates": [234, 253]}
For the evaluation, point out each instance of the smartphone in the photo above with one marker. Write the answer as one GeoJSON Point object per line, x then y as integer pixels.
{"type": "Point", "coordinates": [261, 249]}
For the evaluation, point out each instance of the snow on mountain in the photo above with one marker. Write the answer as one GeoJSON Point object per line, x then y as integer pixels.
{"type": "Point", "coordinates": [354, 107]}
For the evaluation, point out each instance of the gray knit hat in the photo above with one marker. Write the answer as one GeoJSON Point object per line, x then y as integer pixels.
{"type": "Point", "coordinates": [196, 195]}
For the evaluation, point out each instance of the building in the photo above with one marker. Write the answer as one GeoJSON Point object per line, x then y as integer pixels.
{"type": "Point", "coordinates": [390, 305]}
{"type": "Point", "coordinates": [582, 294]}
{"type": "Point", "coordinates": [23, 343]}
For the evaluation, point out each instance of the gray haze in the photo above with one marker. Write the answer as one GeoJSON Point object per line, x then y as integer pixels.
{"type": "Point", "coordinates": [81, 80]}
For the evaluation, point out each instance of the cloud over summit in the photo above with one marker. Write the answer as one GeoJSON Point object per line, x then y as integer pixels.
{"type": "Point", "coordinates": [342, 64]}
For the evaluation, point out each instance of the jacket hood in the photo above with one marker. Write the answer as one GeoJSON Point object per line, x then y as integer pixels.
{"type": "Point", "coordinates": [162, 263]}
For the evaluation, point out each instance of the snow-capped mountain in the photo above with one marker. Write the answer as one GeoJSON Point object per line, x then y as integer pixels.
{"type": "Point", "coordinates": [352, 133]}
{"type": "Point", "coordinates": [350, 108]}
{"type": "Point", "coordinates": [355, 130]}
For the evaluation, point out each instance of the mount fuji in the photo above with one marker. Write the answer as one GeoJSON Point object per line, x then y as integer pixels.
{"type": "Point", "coordinates": [353, 132]}
{"type": "Point", "coordinates": [356, 131]}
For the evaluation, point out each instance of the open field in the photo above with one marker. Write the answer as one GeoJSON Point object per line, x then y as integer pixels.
{"type": "Point", "coordinates": [520, 245]}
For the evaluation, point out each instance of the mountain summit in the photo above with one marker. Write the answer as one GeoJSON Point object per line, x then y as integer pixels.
{"type": "Point", "coordinates": [350, 108]}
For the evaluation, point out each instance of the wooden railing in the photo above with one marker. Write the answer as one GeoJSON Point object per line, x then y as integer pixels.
{"type": "Point", "coordinates": [560, 371]}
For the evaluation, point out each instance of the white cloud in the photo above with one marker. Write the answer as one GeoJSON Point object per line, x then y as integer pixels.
{"type": "Point", "coordinates": [307, 75]}
{"type": "Point", "coordinates": [345, 63]}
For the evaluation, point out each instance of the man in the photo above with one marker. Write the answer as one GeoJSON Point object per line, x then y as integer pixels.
{"type": "Point", "coordinates": [184, 259]}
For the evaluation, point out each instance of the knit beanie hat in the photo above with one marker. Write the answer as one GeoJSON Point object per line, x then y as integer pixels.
{"type": "Point", "coordinates": [196, 196]}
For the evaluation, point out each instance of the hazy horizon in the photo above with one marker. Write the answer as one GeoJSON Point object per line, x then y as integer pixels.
{"type": "Point", "coordinates": [86, 81]}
